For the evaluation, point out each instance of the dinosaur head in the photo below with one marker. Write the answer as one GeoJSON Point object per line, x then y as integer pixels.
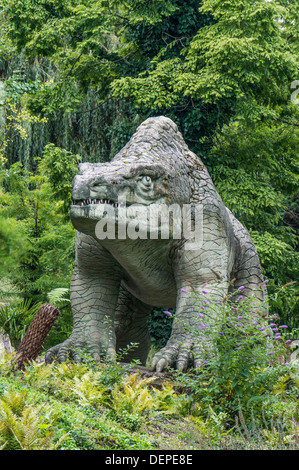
{"type": "Point", "coordinates": [151, 169]}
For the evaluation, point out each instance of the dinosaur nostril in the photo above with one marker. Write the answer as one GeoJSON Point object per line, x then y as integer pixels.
{"type": "Point", "coordinates": [94, 183]}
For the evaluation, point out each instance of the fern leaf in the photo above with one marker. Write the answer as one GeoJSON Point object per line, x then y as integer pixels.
{"type": "Point", "coordinates": [58, 296]}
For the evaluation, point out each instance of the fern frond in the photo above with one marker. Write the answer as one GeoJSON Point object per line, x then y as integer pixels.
{"type": "Point", "coordinates": [86, 388]}
{"type": "Point", "coordinates": [20, 424]}
{"type": "Point", "coordinates": [58, 296]}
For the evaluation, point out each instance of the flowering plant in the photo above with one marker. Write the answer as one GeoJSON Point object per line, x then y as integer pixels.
{"type": "Point", "coordinates": [244, 353]}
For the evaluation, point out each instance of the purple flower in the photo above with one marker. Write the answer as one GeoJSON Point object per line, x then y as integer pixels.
{"type": "Point", "coordinates": [205, 362]}
{"type": "Point", "coordinates": [239, 318]}
{"type": "Point", "coordinates": [239, 324]}
{"type": "Point", "coordinates": [272, 324]}
{"type": "Point", "coordinates": [283, 326]}
{"type": "Point", "coordinates": [220, 332]}
{"type": "Point", "coordinates": [219, 302]}
{"type": "Point", "coordinates": [231, 322]}
{"type": "Point", "coordinates": [204, 291]}
{"type": "Point", "coordinates": [271, 353]}
{"type": "Point", "coordinates": [261, 329]}
{"type": "Point", "coordinates": [289, 341]}
{"type": "Point", "coordinates": [200, 315]}
{"type": "Point", "coordinates": [167, 313]}
{"type": "Point", "coordinates": [202, 307]}
{"type": "Point", "coordinates": [240, 297]}
{"type": "Point", "coordinates": [183, 290]}
{"type": "Point", "coordinates": [254, 323]}
{"type": "Point", "coordinates": [274, 329]}
{"type": "Point", "coordinates": [241, 287]}
{"type": "Point", "coordinates": [286, 364]}
{"type": "Point", "coordinates": [237, 309]}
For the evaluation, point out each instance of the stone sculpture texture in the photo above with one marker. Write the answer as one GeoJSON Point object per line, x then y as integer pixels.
{"type": "Point", "coordinates": [117, 282]}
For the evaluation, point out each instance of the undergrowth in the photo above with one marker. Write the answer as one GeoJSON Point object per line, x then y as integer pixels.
{"type": "Point", "coordinates": [100, 406]}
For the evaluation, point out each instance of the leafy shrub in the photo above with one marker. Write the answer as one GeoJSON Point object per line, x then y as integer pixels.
{"type": "Point", "coordinates": [21, 425]}
{"type": "Point", "coordinates": [244, 358]}
{"type": "Point", "coordinates": [159, 327]}
{"type": "Point", "coordinates": [16, 318]}
{"type": "Point", "coordinates": [131, 400]}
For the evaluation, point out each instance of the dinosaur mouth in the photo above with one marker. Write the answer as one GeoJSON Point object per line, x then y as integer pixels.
{"type": "Point", "coordinates": [89, 202]}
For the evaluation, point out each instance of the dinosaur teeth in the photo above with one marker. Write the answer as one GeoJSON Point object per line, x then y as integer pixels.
{"type": "Point", "coordinates": [87, 202]}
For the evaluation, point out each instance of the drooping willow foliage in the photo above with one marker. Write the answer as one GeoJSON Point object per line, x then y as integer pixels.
{"type": "Point", "coordinates": [97, 130]}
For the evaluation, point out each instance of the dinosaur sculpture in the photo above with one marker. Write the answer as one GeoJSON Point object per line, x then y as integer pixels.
{"type": "Point", "coordinates": [120, 276]}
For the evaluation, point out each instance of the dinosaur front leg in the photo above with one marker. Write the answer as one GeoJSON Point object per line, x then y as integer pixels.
{"type": "Point", "coordinates": [94, 293]}
{"type": "Point", "coordinates": [207, 266]}
{"type": "Point", "coordinates": [189, 342]}
{"type": "Point", "coordinates": [93, 303]}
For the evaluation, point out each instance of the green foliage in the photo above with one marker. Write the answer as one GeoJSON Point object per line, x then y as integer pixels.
{"type": "Point", "coordinates": [21, 425]}
{"type": "Point", "coordinates": [59, 167]}
{"type": "Point", "coordinates": [256, 173]}
{"type": "Point", "coordinates": [58, 296]}
{"type": "Point", "coordinates": [244, 356]}
{"type": "Point", "coordinates": [131, 401]}
{"type": "Point", "coordinates": [86, 390]}
{"type": "Point", "coordinates": [284, 301]}
{"type": "Point", "coordinates": [240, 55]}
{"type": "Point", "coordinates": [159, 327]}
{"type": "Point", "coordinates": [15, 319]}
{"type": "Point", "coordinates": [13, 244]}
{"type": "Point", "coordinates": [37, 242]}
{"type": "Point", "coordinates": [15, 87]}
{"type": "Point", "coordinates": [82, 38]}
{"type": "Point", "coordinates": [47, 249]}
{"type": "Point", "coordinates": [65, 406]}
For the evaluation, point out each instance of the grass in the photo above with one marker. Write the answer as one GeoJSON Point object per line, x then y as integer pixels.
{"type": "Point", "coordinates": [90, 406]}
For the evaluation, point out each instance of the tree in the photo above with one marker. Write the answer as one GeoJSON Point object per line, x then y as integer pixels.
{"type": "Point", "coordinates": [223, 70]}
{"type": "Point", "coordinates": [93, 43]}
{"type": "Point", "coordinates": [243, 63]}
{"type": "Point", "coordinates": [38, 241]}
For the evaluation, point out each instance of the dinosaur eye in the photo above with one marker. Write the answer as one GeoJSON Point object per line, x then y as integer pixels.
{"type": "Point", "coordinates": [146, 180]}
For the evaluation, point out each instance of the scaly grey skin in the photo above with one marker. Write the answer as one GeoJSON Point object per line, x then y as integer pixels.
{"type": "Point", "coordinates": [116, 283]}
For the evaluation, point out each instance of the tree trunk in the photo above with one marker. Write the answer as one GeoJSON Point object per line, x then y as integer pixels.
{"type": "Point", "coordinates": [35, 335]}
{"type": "Point", "coordinates": [5, 345]}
